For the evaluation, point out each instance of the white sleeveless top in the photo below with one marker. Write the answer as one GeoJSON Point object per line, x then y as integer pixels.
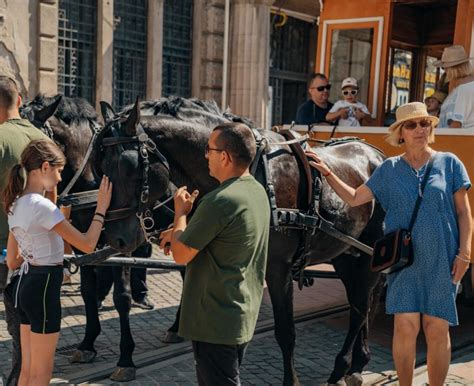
{"type": "Point", "coordinates": [32, 218]}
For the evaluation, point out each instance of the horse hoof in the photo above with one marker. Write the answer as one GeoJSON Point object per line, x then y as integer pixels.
{"type": "Point", "coordinates": [82, 356]}
{"type": "Point", "coordinates": [124, 374]}
{"type": "Point", "coordinates": [171, 337]}
{"type": "Point", "coordinates": [354, 379]}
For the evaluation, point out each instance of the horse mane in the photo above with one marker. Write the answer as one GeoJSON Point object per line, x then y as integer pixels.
{"type": "Point", "coordinates": [69, 109]}
{"type": "Point", "coordinates": [187, 109]}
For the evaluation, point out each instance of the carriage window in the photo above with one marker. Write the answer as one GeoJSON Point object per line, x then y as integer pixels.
{"type": "Point", "coordinates": [77, 48]}
{"type": "Point", "coordinates": [432, 75]}
{"type": "Point", "coordinates": [402, 64]}
{"type": "Point", "coordinates": [351, 55]}
{"type": "Point", "coordinates": [130, 39]}
{"type": "Point", "coordinates": [177, 47]}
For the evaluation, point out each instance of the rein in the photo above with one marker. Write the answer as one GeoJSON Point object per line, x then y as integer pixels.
{"type": "Point", "coordinates": [96, 129]}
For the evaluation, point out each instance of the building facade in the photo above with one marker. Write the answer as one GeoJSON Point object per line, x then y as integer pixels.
{"type": "Point", "coordinates": [251, 55]}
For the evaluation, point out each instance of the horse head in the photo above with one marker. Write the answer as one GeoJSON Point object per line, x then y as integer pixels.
{"type": "Point", "coordinates": [70, 122]}
{"type": "Point", "coordinates": [139, 173]}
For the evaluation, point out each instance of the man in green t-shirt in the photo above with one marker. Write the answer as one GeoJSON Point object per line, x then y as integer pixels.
{"type": "Point", "coordinates": [224, 247]}
{"type": "Point", "coordinates": [15, 135]}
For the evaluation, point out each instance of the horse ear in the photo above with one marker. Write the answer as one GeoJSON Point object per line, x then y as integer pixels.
{"type": "Point", "coordinates": [130, 126]}
{"type": "Point", "coordinates": [48, 111]}
{"type": "Point", "coordinates": [107, 111]}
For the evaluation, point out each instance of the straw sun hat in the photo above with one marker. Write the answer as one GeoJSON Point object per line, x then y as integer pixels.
{"type": "Point", "coordinates": [452, 56]}
{"type": "Point", "coordinates": [409, 111]}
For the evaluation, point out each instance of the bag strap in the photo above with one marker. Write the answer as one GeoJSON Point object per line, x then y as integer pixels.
{"type": "Point", "coordinates": [418, 200]}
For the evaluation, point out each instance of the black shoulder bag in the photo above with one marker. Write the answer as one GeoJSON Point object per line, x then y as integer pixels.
{"type": "Point", "coordinates": [394, 251]}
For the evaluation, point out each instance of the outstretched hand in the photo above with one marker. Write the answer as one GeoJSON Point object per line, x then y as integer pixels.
{"type": "Point", "coordinates": [317, 163]}
{"type": "Point", "coordinates": [105, 195]}
{"type": "Point", "coordinates": [183, 201]}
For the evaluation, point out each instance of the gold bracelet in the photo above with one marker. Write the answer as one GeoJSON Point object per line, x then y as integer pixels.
{"type": "Point", "coordinates": [467, 255]}
{"type": "Point", "coordinates": [463, 259]}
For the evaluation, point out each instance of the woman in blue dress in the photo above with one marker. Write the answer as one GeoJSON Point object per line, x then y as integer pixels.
{"type": "Point", "coordinates": [423, 294]}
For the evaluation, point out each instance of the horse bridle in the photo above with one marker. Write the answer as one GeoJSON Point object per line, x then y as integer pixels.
{"type": "Point", "coordinates": [145, 146]}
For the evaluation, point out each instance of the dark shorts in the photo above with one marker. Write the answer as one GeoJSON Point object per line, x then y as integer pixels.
{"type": "Point", "coordinates": [218, 364]}
{"type": "Point", "coordinates": [39, 303]}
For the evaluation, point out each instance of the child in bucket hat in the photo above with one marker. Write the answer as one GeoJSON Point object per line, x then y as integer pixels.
{"type": "Point", "coordinates": [348, 111]}
{"type": "Point", "coordinates": [434, 101]}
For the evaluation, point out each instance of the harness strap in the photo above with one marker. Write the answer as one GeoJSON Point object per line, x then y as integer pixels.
{"type": "Point", "coordinates": [262, 143]}
{"type": "Point", "coordinates": [295, 218]}
{"type": "Point", "coordinates": [81, 168]}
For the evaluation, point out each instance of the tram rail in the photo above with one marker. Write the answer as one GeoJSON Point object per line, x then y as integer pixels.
{"type": "Point", "coordinates": [101, 372]}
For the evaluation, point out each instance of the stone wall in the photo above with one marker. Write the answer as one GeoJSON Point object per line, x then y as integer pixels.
{"type": "Point", "coordinates": [18, 43]}
{"type": "Point", "coordinates": [208, 49]}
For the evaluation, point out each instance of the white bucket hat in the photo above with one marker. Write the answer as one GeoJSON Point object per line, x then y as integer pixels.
{"type": "Point", "coordinates": [349, 82]}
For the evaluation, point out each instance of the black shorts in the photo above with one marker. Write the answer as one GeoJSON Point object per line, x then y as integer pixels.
{"type": "Point", "coordinates": [39, 301]}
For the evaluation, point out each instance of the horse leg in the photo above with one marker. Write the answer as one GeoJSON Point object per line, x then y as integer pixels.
{"type": "Point", "coordinates": [105, 281]}
{"type": "Point", "coordinates": [360, 357]}
{"type": "Point", "coordinates": [125, 370]}
{"type": "Point", "coordinates": [171, 336]}
{"type": "Point", "coordinates": [86, 352]}
{"type": "Point", "coordinates": [353, 272]}
{"type": "Point", "coordinates": [280, 287]}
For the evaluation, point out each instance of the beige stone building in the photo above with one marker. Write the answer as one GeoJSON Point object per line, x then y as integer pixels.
{"type": "Point", "coordinates": [251, 55]}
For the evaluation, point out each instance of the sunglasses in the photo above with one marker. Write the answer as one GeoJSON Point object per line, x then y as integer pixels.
{"type": "Point", "coordinates": [349, 92]}
{"type": "Point", "coordinates": [208, 149]}
{"type": "Point", "coordinates": [411, 125]}
{"type": "Point", "coordinates": [322, 88]}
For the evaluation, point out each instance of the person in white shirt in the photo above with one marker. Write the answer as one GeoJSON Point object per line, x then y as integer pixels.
{"type": "Point", "coordinates": [348, 111]}
{"type": "Point", "coordinates": [457, 111]}
{"type": "Point", "coordinates": [35, 242]}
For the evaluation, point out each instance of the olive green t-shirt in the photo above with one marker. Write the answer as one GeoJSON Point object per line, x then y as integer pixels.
{"type": "Point", "coordinates": [15, 135]}
{"type": "Point", "coordinates": [223, 285]}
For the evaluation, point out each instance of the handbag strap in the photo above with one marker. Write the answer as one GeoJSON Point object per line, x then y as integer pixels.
{"type": "Point", "coordinates": [420, 196]}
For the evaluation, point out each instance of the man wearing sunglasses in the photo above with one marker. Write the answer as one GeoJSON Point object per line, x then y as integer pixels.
{"type": "Point", "coordinates": [348, 110]}
{"type": "Point", "coordinates": [315, 109]}
{"type": "Point", "coordinates": [224, 246]}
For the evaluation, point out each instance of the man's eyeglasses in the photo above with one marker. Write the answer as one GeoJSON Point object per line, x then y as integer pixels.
{"type": "Point", "coordinates": [322, 88]}
{"type": "Point", "coordinates": [208, 149]}
{"type": "Point", "coordinates": [411, 125]}
{"type": "Point", "coordinates": [351, 92]}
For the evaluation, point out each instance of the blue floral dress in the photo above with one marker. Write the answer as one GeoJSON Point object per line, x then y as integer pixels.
{"type": "Point", "coordinates": [426, 286]}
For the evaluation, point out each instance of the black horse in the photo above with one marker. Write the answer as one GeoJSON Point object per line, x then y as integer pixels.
{"type": "Point", "coordinates": [71, 123]}
{"type": "Point", "coordinates": [173, 150]}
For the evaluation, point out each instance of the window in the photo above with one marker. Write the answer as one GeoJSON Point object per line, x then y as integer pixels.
{"type": "Point", "coordinates": [130, 43]}
{"type": "Point", "coordinates": [289, 76]}
{"type": "Point", "coordinates": [77, 48]}
{"type": "Point", "coordinates": [177, 47]}
{"type": "Point", "coordinates": [353, 47]}
{"type": "Point", "coordinates": [402, 69]}
{"type": "Point", "coordinates": [432, 77]}
{"type": "Point", "coordinates": [351, 54]}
